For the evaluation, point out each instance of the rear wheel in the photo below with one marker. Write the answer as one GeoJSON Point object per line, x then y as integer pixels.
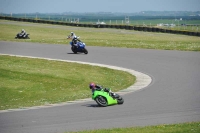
{"type": "Point", "coordinates": [101, 101]}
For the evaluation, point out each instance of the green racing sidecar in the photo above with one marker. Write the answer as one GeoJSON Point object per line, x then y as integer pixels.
{"type": "Point", "coordinates": [105, 99]}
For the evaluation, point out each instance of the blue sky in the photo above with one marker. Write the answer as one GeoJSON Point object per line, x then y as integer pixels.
{"type": "Point", "coordinates": [127, 6]}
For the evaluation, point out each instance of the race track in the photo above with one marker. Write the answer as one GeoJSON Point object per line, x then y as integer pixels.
{"type": "Point", "coordinates": [172, 97]}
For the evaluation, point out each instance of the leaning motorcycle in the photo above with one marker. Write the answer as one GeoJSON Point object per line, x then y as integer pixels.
{"type": "Point", "coordinates": [105, 99]}
{"type": "Point", "coordinates": [19, 36]}
{"type": "Point", "coordinates": [80, 48]}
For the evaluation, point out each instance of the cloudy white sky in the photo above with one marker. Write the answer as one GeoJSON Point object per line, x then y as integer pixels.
{"type": "Point", "coordinates": [127, 6]}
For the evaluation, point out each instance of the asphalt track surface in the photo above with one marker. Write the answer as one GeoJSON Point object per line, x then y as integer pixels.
{"type": "Point", "coordinates": [172, 97]}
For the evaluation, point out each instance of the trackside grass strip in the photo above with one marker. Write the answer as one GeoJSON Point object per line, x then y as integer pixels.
{"type": "Point", "coordinates": [32, 82]}
{"type": "Point", "coordinates": [193, 127]}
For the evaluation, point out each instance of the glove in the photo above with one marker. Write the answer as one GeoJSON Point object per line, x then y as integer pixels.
{"type": "Point", "coordinates": [98, 86]}
{"type": "Point", "coordinates": [107, 89]}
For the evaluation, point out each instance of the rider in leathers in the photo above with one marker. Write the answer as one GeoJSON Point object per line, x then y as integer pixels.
{"type": "Point", "coordinates": [74, 39]}
{"type": "Point", "coordinates": [94, 87]}
{"type": "Point", "coordinates": [23, 32]}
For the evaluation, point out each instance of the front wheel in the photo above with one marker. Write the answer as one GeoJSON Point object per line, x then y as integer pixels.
{"type": "Point", "coordinates": [120, 100]}
{"type": "Point", "coordinates": [17, 36]}
{"type": "Point", "coordinates": [85, 51]}
{"type": "Point", "coordinates": [101, 101]}
{"type": "Point", "coordinates": [73, 50]}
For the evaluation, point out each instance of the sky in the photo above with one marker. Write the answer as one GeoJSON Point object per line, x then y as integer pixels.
{"type": "Point", "coordinates": [82, 6]}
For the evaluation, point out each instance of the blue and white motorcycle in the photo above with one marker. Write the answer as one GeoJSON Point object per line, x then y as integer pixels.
{"type": "Point", "coordinates": [80, 48]}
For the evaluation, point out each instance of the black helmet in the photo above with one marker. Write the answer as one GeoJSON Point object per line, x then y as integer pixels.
{"type": "Point", "coordinates": [92, 85]}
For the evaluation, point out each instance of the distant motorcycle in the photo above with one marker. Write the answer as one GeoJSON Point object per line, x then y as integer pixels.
{"type": "Point", "coordinates": [79, 48]}
{"type": "Point", "coordinates": [20, 36]}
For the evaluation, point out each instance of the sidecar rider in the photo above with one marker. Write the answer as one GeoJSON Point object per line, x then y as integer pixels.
{"type": "Point", "coordinates": [94, 87]}
{"type": "Point", "coordinates": [23, 32]}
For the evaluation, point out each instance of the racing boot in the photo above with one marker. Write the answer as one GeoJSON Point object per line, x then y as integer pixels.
{"type": "Point", "coordinates": [112, 94]}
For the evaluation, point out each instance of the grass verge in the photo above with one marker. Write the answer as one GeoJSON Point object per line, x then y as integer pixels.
{"type": "Point", "coordinates": [193, 127]}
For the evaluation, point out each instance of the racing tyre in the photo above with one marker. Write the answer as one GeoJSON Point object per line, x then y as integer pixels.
{"type": "Point", "coordinates": [73, 50]}
{"type": "Point", "coordinates": [101, 101]}
{"type": "Point", "coordinates": [85, 51]}
{"type": "Point", "coordinates": [120, 100]}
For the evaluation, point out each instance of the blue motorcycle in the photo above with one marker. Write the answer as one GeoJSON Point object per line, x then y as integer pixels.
{"type": "Point", "coordinates": [79, 48]}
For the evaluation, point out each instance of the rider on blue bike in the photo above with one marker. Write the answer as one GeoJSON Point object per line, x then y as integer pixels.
{"type": "Point", "coordinates": [74, 39]}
